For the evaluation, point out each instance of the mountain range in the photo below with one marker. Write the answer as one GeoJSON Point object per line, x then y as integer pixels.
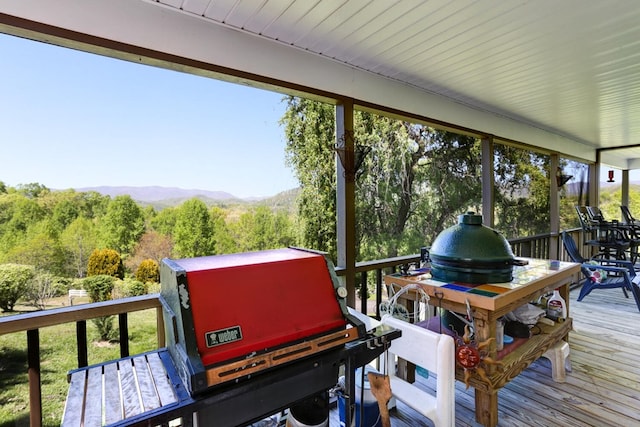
{"type": "Point", "coordinates": [162, 197]}
{"type": "Point", "coordinates": [156, 193]}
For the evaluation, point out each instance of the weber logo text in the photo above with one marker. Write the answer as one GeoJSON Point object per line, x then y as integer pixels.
{"type": "Point", "coordinates": [223, 336]}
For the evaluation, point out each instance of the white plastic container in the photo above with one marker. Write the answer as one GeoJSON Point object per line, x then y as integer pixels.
{"type": "Point", "coordinates": [557, 306]}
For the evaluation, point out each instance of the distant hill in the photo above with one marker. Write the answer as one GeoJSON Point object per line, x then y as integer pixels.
{"type": "Point", "coordinates": [163, 197]}
{"type": "Point", "coordinates": [574, 187]}
{"type": "Point", "coordinates": [155, 193]}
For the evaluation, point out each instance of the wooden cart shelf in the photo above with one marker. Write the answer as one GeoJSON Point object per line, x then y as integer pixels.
{"type": "Point", "coordinates": [531, 350]}
{"type": "Point", "coordinates": [491, 301]}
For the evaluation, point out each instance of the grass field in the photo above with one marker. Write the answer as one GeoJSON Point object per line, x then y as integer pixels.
{"type": "Point", "coordinates": [58, 355]}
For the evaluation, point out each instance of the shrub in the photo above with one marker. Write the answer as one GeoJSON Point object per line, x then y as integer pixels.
{"type": "Point", "coordinates": [153, 288]}
{"type": "Point", "coordinates": [105, 261]}
{"type": "Point", "coordinates": [148, 271]}
{"type": "Point", "coordinates": [99, 287]}
{"type": "Point", "coordinates": [105, 327]}
{"type": "Point", "coordinates": [130, 288]}
{"type": "Point", "coordinates": [135, 288]}
{"type": "Point", "coordinates": [14, 283]}
{"type": "Point", "coordinates": [43, 287]}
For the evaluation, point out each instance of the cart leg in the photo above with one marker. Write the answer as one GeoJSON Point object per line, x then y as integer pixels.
{"type": "Point", "coordinates": [486, 408]}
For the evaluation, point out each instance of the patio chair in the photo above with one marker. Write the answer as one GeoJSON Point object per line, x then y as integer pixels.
{"type": "Point", "coordinates": [616, 231]}
{"type": "Point", "coordinates": [628, 218]}
{"type": "Point", "coordinates": [619, 272]}
{"type": "Point", "coordinates": [630, 221]}
{"type": "Point", "coordinates": [597, 236]}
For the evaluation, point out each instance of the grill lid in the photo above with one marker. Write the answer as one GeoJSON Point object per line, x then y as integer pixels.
{"type": "Point", "coordinates": [472, 253]}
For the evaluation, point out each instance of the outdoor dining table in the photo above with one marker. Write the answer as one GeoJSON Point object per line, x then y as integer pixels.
{"type": "Point", "coordinates": [488, 303]}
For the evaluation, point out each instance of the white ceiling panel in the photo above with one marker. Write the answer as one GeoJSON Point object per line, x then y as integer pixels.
{"type": "Point", "coordinates": [197, 7]}
{"type": "Point", "coordinates": [570, 68]}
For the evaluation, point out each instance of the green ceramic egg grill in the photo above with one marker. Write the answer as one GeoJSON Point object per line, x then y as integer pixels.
{"type": "Point", "coordinates": [470, 252]}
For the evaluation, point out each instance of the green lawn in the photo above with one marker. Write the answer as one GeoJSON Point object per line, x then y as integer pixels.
{"type": "Point", "coordinates": [57, 356]}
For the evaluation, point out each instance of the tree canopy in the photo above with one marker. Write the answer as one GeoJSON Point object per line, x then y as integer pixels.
{"type": "Point", "coordinates": [414, 180]}
{"type": "Point", "coordinates": [414, 183]}
{"type": "Point", "coordinates": [122, 225]}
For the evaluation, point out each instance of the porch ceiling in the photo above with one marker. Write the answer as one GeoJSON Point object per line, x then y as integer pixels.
{"type": "Point", "coordinates": [562, 75]}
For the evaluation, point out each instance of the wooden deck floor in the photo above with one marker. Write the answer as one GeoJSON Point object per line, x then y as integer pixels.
{"type": "Point", "coordinates": [603, 388]}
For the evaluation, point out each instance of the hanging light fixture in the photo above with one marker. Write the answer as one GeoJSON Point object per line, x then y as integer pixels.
{"type": "Point", "coordinates": [611, 177]}
{"type": "Point", "coordinates": [562, 179]}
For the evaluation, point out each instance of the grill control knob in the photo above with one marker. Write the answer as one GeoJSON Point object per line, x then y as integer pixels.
{"type": "Point", "coordinates": [342, 292]}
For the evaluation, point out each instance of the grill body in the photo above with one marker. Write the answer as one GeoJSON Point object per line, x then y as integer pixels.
{"type": "Point", "coordinates": [224, 310]}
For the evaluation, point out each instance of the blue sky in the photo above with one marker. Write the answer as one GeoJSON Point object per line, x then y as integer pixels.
{"type": "Point", "coordinates": [72, 119]}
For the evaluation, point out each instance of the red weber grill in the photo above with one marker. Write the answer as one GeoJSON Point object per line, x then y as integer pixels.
{"type": "Point", "coordinates": [253, 333]}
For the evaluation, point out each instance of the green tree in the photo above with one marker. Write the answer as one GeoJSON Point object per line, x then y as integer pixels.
{"type": "Point", "coordinates": [260, 229]}
{"type": "Point", "coordinates": [32, 190]}
{"type": "Point", "coordinates": [14, 283]}
{"type": "Point", "coordinates": [309, 133]}
{"type": "Point", "coordinates": [25, 213]}
{"type": "Point", "coordinates": [122, 225]}
{"type": "Point", "coordinates": [164, 222]}
{"type": "Point", "coordinates": [93, 204]}
{"type": "Point", "coordinates": [79, 240]}
{"type": "Point", "coordinates": [64, 213]}
{"type": "Point", "coordinates": [99, 287]}
{"type": "Point", "coordinates": [132, 287]}
{"type": "Point", "coordinates": [105, 262]}
{"type": "Point", "coordinates": [413, 184]}
{"type": "Point", "coordinates": [222, 235]}
{"type": "Point", "coordinates": [193, 233]}
{"type": "Point", "coordinates": [40, 250]}
{"type": "Point", "coordinates": [417, 181]}
{"type": "Point", "coordinates": [521, 192]}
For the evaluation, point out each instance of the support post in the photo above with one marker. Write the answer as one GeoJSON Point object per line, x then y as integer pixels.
{"type": "Point", "coordinates": [624, 201]}
{"type": "Point", "coordinates": [487, 181]}
{"type": "Point", "coordinates": [554, 207]}
{"type": "Point", "coordinates": [345, 199]}
{"type": "Point", "coordinates": [594, 182]}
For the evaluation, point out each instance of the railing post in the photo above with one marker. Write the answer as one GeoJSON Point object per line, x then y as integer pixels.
{"type": "Point", "coordinates": [123, 326]}
{"type": "Point", "coordinates": [35, 392]}
{"type": "Point", "coordinates": [81, 340]}
{"type": "Point", "coordinates": [378, 291]}
{"type": "Point", "coordinates": [363, 292]}
{"type": "Point", "coordinates": [160, 327]}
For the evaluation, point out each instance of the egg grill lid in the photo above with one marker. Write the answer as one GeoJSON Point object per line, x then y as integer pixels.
{"type": "Point", "coordinates": [470, 252]}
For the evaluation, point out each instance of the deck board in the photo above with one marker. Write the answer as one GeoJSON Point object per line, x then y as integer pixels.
{"type": "Point", "coordinates": [148, 393]}
{"type": "Point", "coordinates": [93, 399]}
{"type": "Point", "coordinates": [112, 397]}
{"type": "Point", "coordinates": [601, 390]}
{"type": "Point", "coordinates": [75, 400]}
